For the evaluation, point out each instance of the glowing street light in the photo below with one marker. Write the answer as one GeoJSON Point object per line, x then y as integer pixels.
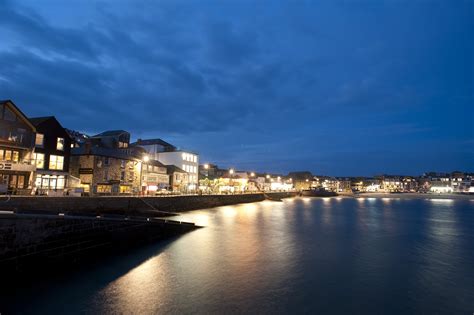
{"type": "Point", "coordinates": [268, 176]}
{"type": "Point", "coordinates": [231, 171]}
{"type": "Point", "coordinates": [206, 166]}
{"type": "Point", "coordinates": [252, 174]}
{"type": "Point", "coordinates": [146, 158]}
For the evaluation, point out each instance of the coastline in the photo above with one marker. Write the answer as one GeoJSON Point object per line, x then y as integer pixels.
{"type": "Point", "coordinates": [411, 196]}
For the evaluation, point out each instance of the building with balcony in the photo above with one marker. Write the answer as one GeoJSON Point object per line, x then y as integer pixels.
{"type": "Point", "coordinates": [51, 156]}
{"type": "Point", "coordinates": [17, 139]}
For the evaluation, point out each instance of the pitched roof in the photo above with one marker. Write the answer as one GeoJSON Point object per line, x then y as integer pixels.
{"type": "Point", "coordinates": [109, 133]}
{"type": "Point", "coordinates": [18, 111]}
{"type": "Point", "coordinates": [39, 120]}
{"type": "Point", "coordinates": [174, 169]}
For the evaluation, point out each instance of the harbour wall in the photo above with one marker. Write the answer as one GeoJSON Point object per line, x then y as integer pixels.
{"type": "Point", "coordinates": [41, 241]}
{"type": "Point", "coordinates": [136, 206]}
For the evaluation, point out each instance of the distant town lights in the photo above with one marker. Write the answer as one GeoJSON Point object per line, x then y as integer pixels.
{"type": "Point", "coordinates": [231, 171]}
{"type": "Point", "coordinates": [146, 158]}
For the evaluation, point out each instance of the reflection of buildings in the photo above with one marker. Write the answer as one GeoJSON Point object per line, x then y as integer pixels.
{"type": "Point", "coordinates": [168, 154]}
{"type": "Point", "coordinates": [17, 136]}
{"type": "Point", "coordinates": [52, 154]}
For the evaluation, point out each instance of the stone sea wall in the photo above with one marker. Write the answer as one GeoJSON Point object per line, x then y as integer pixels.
{"type": "Point", "coordinates": [139, 206]}
{"type": "Point", "coordinates": [34, 241]}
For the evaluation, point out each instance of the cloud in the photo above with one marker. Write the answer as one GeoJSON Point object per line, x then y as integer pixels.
{"type": "Point", "coordinates": [255, 76]}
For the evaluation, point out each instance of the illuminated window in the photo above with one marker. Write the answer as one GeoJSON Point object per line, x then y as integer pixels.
{"type": "Point", "coordinates": [183, 156]}
{"type": "Point", "coordinates": [184, 166]}
{"type": "Point", "coordinates": [104, 188]}
{"type": "Point", "coordinates": [15, 156]}
{"type": "Point", "coordinates": [2, 152]}
{"type": "Point", "coordinates": [8, 155]}
{"type": "Point", "coordinates": [39, 160]}
{"type": "Point", "coordinates": [60, 144]}
{"type": "Point", "coordinates": [39, 141]}
{"type": "Point", "coordinates": [56, 162]}
{"type": "Point", "coordinates": [195, 159]}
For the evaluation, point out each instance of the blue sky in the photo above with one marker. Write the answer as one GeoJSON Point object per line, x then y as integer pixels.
{"type": "Point", "coordinates": [334, 87]}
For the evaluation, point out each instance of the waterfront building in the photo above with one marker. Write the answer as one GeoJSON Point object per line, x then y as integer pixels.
{"type": "Point", "coordinates": [168, 154]}
{"type": "Point", "coordinates": [106, 165]}
{"type": "Point", "coordinates": [301, 180]}
{"type": "Point", "coordinates": [17, 140]}
{"type": "Point", "coordinates": [179, 181]}
{"type": "Point", "coordinates": [51, 156]}
{"type": "Point", "coordinates": [154, 177]}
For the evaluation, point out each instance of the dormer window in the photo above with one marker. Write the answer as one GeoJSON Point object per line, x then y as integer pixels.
{"type": "Point", "coordinates": [39, 141]}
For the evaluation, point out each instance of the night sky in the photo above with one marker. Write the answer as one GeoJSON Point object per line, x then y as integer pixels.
{"type": "Point", "coordinates": [346, 88]}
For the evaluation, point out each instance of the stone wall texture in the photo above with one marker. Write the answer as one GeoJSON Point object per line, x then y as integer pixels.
{"type": "Point", "coordinates": [148, 206]}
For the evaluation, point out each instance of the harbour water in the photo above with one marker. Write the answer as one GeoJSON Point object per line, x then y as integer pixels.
{"type": "Point", "coordinates": [302, 255]}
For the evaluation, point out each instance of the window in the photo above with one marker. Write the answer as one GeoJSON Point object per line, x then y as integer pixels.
{"type": "Point", "coordinates": [39, 141]}
{"type": "Point", "coordinates": [106, 175]}
{"type": "Point", "coordinates": [56, 162]}
{"type": "Point", "coordinates": [61, 182]}
{"type": "Point", "coordinates": [195, 159]}
{"type": "Point", "coordinates": [8, 155]}
{"type": "Point", "coordinates": [16, 156]}
{"type": "Point", "coordinates": [122, 175]}
{"type": "Point", "coordinates": [39, 160]}
{"type": "Point", "coordinates": [9, 115]}
{"type": "Point", "coordinates": [123, 163]}
{"type": "Point", "coordinates": [2, 152]}
{"type": "Point", "coordinates": [106, 161]}
{"type": "Point", "coordinates": [104, 188]}
{"type": "Point", "coordinates": [183, 156]}
{"type": "Point", "coordinates": [60, 144]}
{"type": "Point", "coordinates": [184, 167]}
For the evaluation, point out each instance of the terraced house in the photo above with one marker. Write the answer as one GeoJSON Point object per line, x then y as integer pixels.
{"type": "Point", "coordinates": [106, 165]}
{"type": "Point", "coordinates": [17, 136]}
{"type": "Point", "coordinates": [51, 156]}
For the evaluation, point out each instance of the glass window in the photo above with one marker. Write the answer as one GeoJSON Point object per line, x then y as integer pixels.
{"type": "Point", "coordinates": [106, 161]}
{"type": "Point", "coordinates": [16, 156]}
{"type": "Point", "coordinates": [56, 162]}
{"type": "Point", "coordinates": [45, 181]}
{"type": "Point", "coordinates": [60, 144]}
{"type": "Point", "coordinates": [39, 160]}
{"type": "Point", "coordinates": [104, 188]}
{"type": "Point", "coordinates": [39, 141]}
{"type": "Point", "coordinates": [61, 182]}
{"type": "Point", "coordinates": [2, 152]}
{"type": "Point", "coordinates": [8, 155]}
{"type": "Point", "coordinates": [122, 175]}
{"type": "Point", "coordinates": [9, 115]}
{"type": "Point", "coordinates": [38, 181]}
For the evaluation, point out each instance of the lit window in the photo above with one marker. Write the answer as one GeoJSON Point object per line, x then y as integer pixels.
{"type": "Point", "coordinates": [60, 144]}
{"type": "Point", "coordinates": [39, 141]}
{"type": "Point", "coordinates": [16, 156]}
{"type": "Point", "coordinates": [56, 162]}
{"type": "Point", "coordinates": [183, 156]}
{"type": "Point", "coordinates": [184, 166]}
{"type": "Point", "coordinates": [195, 159]}
{"type": "Point", "coordinates": [39, 160]}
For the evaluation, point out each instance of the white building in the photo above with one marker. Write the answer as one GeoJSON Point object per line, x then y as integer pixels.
{"type": "Point", "coordinates": [168, 154]}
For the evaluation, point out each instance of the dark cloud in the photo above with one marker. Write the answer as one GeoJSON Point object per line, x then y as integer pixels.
{"type": "Point", "coordinates": [271, 85]}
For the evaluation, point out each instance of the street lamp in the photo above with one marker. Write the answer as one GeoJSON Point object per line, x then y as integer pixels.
{"type": "Point", "coordinates": [206, 166]}
{"type": "Point", "coordinates": [268, 176]}
{"type": "Point", "coordinates": [146, 158]}
{"type": "Point", "coordinates": [252, 174]}
{"type": "Point", "coordinates": [231, 171]}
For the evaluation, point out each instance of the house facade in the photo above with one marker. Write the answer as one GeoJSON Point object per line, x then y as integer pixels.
{"type": "Point", "coordinates": [154, 177]}
{"type": "Point", "coordinates": [51, 156]}
{"type": "Point", "coordinates": [17, 138]}
{"type": "Point", "coordinates": [106, 165]}
{"type": "Point", "coordinates": [168, 154]}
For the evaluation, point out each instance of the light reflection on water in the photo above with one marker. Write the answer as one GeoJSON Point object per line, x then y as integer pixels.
{"type": "Point", "coordinates": [327, 255]}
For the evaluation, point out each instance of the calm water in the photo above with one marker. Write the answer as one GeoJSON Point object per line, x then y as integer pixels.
{"type": "Point", "coordinates": [300, 256]}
